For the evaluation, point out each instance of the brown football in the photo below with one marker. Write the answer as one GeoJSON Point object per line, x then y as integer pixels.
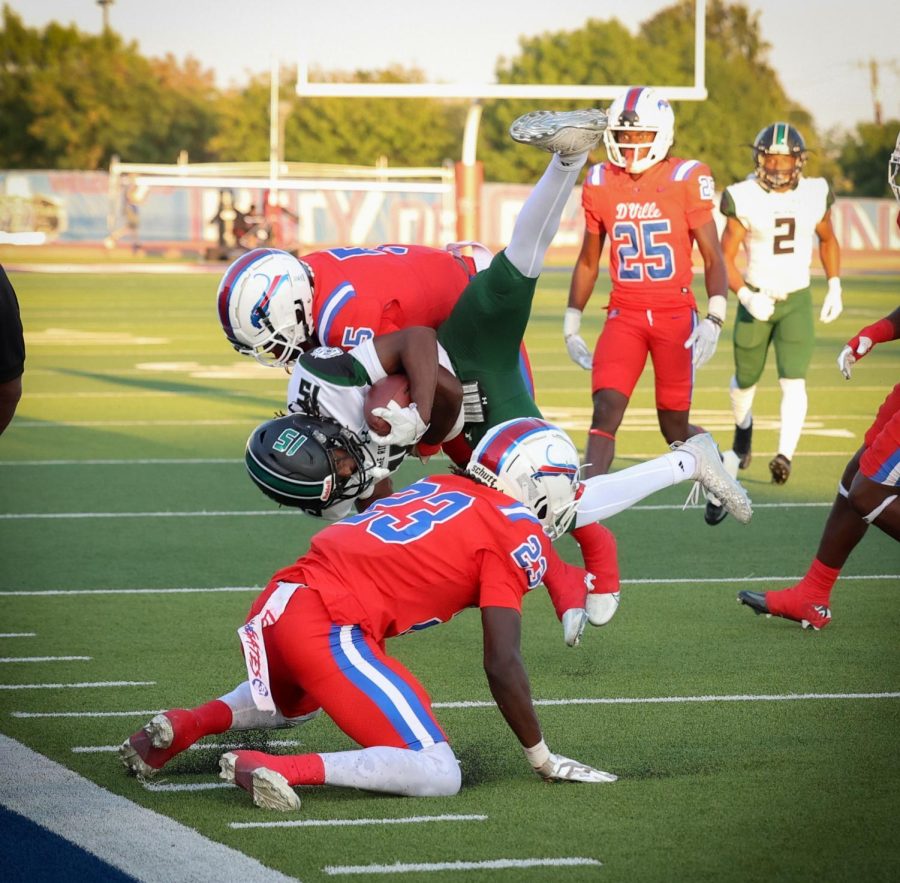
{"type": "Point", "coordinates": [394, 386]}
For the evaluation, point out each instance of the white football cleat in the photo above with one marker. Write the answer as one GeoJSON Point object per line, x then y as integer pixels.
{"type": "Point", "coordinates": [137, 752]}
{"type": "Point", "coordinates": [714, 478]}
{"type": "Point", "coordinates": [602, 607]}
{"type": "Point", "coordinates": [565, 132]}
{"type": "Point", "coordinates": [269, 789]}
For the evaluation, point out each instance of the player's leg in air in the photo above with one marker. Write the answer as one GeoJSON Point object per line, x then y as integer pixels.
{"type": "Point", "coordinates": [867, 494]}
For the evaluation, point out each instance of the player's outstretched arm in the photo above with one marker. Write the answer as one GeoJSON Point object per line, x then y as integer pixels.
{"type": "Point", "coordinates": [705, 336]}
{"type": "Point", "coordinates": [509, 685]}
{"type": "Point", "coordinates": [866, 338]}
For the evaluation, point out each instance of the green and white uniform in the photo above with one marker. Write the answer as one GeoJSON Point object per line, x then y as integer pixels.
{"type": "Point", "coordinates": [779, 240]}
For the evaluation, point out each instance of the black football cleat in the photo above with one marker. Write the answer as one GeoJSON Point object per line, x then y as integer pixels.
{"type": "Point", "coordinates": [743, 444]}
{"type": "Point", "coordinates": [756, 601]}
{"type": "Point", "coordinates": [780, 467]}
{"type": "Point", "coordinates": [715, 512]}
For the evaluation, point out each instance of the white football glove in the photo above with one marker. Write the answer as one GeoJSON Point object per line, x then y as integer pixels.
{"type": "Point", "coordinates": [833, 306]}
{"type": "Point", "coordinates": [848, 355]}
{"type": "Point", "coordinates": [578, 349]}
{"type": "Point", "coordinates": [706, 335]}
{"type": "Point", "coordinates": [406, 424]}
{"type": "Point", "coordinates": [556, 768]}
{"type": "Point", "coordinates": [759, 304]}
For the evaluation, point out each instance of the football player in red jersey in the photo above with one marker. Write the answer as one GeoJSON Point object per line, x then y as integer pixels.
{"type": "Point", "coordinates": [315, 637]}
{"type": "Point", "coordinates": [652, 208]}
{"type": "Point", "coordinates": [869, 489]}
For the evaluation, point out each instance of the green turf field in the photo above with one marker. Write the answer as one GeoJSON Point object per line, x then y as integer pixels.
{"type": "Point", "coordinates": [747, 748]}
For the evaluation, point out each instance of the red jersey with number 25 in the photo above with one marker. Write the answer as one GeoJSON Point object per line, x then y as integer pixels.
{"type": "Point", "coordinates": [419, 557]}
{"type": "Point", "coordinates": [649, 224]}
{"type": "Point", "coordinates": [361, 292]}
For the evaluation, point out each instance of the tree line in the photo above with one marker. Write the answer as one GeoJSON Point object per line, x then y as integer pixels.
{"type": "Point", "coordinates": [72, 100]}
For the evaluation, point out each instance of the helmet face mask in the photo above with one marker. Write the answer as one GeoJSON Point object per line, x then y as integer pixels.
{"type": "Point", "coordinates": [533, 462]}
{"type": "Point", "coordinates": [308, 463]}
{"type": "Point", "coordinates": [265, 306]}
{"type": "Point", "coordinates": [779, 154]}
{"type": "Point", "coordinates": [639, 110]}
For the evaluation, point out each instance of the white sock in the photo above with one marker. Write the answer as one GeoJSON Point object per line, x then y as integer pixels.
{"type": "Point", "coordinates": [794, 403]}
{"type": "Point", "coordinates": [741, 403]}
{"type": "Point", "coordinates": [538, 221]}
{"type": "Point", "coordinates": [607, 495]}
{"type": "Point", "coordinates": [431, 772]}
{"type": "Point", "coordinates": [244, 713]}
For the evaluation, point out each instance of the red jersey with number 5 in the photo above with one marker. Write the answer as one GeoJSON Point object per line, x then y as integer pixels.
{"type": "Point", "coordinates": [649, 223]}
{"type": "Point", "coordinates": [361, 292]}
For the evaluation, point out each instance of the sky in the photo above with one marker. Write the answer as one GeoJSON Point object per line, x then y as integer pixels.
{"type": "Point", "coordinates": [822, 56]}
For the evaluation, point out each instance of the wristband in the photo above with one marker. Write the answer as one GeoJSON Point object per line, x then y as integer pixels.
{"type": "Point", "coordinates": [571, 321]}
{"type": "Point", "coordinates": [538, 755]}
{"type": "Point", "coordinates": [715, 310]}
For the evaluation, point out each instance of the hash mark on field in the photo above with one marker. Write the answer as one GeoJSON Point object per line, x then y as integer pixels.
{"type": "Point", "coordinates": [81, 686]}
{"type": "Point", "coordinates": [43, 658]}
{"type": "Point", "coordinates": [327, 823]}
{"type": "Point", "coordinates": [489, 865]}
{"type": "Point", "coordinates": [187, 786]}
{"type": "Point", "coordinates": [18, 635]}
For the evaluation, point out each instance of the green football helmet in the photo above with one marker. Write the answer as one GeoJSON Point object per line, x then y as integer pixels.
{"type": "Point", "coordinates": [779, 139]}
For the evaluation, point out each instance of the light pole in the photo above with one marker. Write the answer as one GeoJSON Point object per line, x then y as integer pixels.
{"type": "Point", "coordinates": [104, 5]}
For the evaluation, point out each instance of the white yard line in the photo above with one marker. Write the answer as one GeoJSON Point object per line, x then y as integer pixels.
{"type": "Point", "coordinates": [337, 823]}
{"type": "Point", "coordinates": [81, 686]}
{"type": "Point", "coordinates": [200, 746]}
{"type": "Point", "coordinates": [499, 864]}
{"type": "Point", "coordinates": [711, 580]}
{"type": "Point", "coordinates": [18, 635]}
{"type": "Point", "coordinates": [114, 829]}
{"type": "Point", "coordinates": [478, 703]}
{"type": "Point", "coordinates": [43, 658]}
{"type": "Point", "coordinates": [253, 513]}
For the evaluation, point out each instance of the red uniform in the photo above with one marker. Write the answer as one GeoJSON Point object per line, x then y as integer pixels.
{"type": "Point", "coordinates": [410, 561]}
{"type": "Point", "coordinates": [881, 459]}
{"type": "Point", "coordinates": [649, 223]}
{"type": "Point", "coordinates": [361, 292]}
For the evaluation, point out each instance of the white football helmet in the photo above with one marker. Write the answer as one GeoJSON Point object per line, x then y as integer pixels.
{"type": "Point", "coordinates": [640, 109]}
{"type": "Point", "coordinates": [265, 302]}
{"type": "Point", "coordinates": [535, 463]}
{"type": "Point", "coordinates": [894, 169]}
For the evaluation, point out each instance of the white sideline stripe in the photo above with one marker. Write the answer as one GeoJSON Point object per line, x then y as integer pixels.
{"type": "Point", "coordinates": [42, 658]}
{"type": "Point", "coordinates": [46, 793]}
{"type": "Point", "coordinates": [497, 864]}
{"type": "Point", "coordinates": [192, 786]}
{"type": "Point", "coordinates": [638, 700]}
{"type": "Point", "coordinates": [251, 513]}
{"type": "Point", "coordinates": [332, 823]}
{"type": "Point", "coordinates": [200, 746]}
{"type": "Point", "coordinates": [25, 714]}
{"type": "Point", "coordinates": [654, 700]}
{"type": "Point", "coordinates": [18, 635]}
{"type": "Point", "coordinates": [81, 686]}
{"type": "Point", "coordinates": [625, 582]}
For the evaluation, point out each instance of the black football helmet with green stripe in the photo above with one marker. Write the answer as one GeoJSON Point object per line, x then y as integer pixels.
{"type": "Point", "coordinates": [779, 139]}
{"type": "Point", "coordinates": [307, 463]}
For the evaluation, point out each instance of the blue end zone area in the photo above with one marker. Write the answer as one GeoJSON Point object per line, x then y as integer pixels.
{"type": "Point", "coordinates": [32, 854]}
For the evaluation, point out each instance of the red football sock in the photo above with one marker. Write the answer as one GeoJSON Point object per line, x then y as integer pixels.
{"type": "Point", "coordinates": [213, 717]}
{"type": "Point", "coordinates": [817, 584]}
{"type": "Point", "coordinates": [298, 769]}
{"type": "Point", "coordinates": [598, 548]}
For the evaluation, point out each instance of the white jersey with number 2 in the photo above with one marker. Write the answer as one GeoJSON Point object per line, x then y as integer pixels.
{"type": "Point", "coordinates": [780, 230]}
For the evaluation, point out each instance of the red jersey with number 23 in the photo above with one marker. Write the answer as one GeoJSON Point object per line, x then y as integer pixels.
{"type": "Point", "coordinates": [649, 223]}
{"type": "Point", "coordinates": [419, 557]}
